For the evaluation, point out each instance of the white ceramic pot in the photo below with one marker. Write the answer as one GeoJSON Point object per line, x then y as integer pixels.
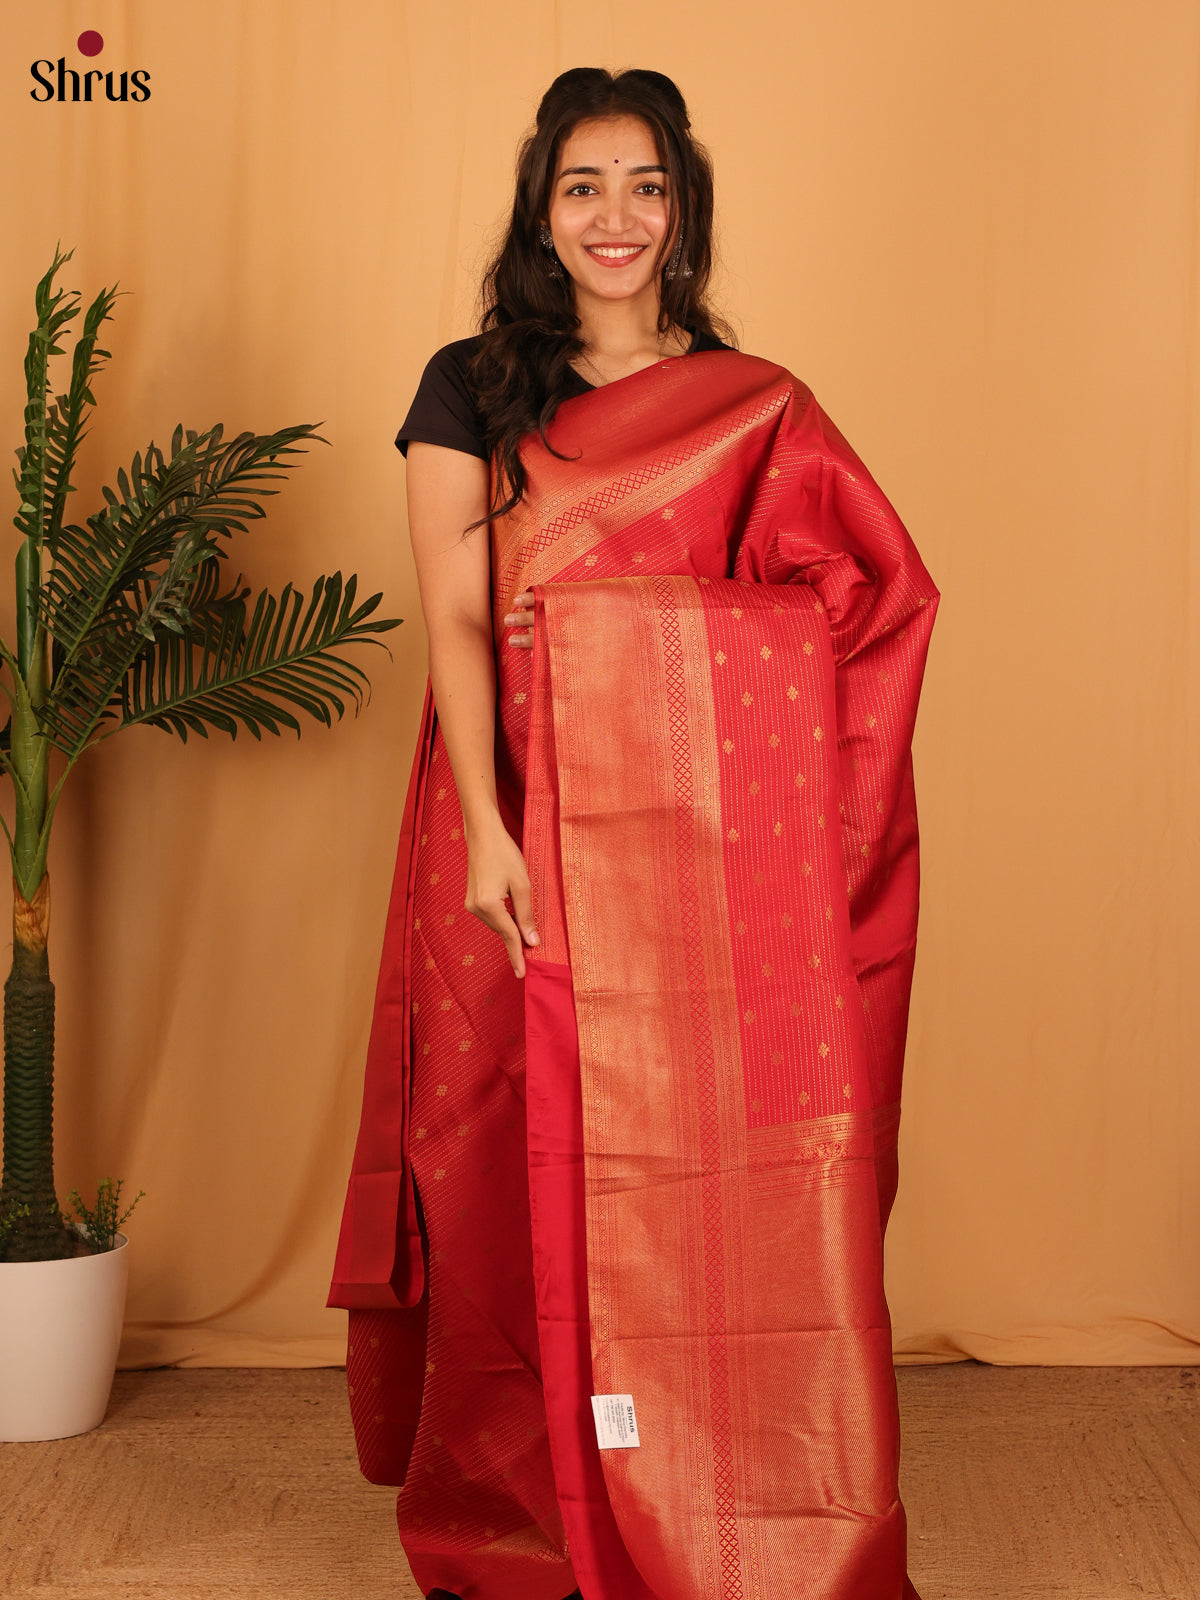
{"type": "Point", "coordinates": [60, 1327]}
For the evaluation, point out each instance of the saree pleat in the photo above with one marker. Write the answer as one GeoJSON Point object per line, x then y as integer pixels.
{"type": "Point", "coordinates": [664, 1165]}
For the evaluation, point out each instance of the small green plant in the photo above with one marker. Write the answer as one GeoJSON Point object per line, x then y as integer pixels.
{"type": "Point", "coordinates": [102, 1222]}
{"type": "Point", "coordinates": [9, 1220]}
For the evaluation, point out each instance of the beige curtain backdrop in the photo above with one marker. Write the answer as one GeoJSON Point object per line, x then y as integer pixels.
{"type": "Point", "coordinates": [973, 230]}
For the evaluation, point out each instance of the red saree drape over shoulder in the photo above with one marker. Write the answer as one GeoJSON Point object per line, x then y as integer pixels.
{"type": "Point", "coordinates": [663, 1165]}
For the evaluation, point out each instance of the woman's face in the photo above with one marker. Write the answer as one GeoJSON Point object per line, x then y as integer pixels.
{"type": "Point", "coordinates": [608, 208]}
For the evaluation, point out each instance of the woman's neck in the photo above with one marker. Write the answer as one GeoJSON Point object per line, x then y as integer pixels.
{"type": "Point", "coordinates": [621, 338]}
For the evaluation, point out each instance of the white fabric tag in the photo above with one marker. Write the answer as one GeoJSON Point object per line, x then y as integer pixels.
{"type": "Point", "coordinates": [616, 1425]}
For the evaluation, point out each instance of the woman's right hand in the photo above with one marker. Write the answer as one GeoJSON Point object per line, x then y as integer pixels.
{"type": "Point", "coordinates": [495, 874]}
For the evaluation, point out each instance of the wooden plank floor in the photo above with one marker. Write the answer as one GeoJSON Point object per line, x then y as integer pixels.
{"type": "Point", "coordinates": [1022, 1483]}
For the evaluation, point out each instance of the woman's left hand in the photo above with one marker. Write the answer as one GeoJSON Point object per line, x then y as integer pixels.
{"type": "Point", "coordinates": [521, 616]}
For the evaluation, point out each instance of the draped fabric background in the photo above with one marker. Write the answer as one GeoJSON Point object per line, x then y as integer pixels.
{"type": "Point", "coordinates": [973, 231]}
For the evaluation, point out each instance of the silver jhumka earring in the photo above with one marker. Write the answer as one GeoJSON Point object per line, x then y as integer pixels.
{"type": "Point", "coordinates": [553, 267]}
{"type": "Point", "coordinates": [673, 267]}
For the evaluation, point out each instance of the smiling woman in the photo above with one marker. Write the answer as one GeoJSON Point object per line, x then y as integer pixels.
{"type": "Point", "coordinates": [613, 1240]}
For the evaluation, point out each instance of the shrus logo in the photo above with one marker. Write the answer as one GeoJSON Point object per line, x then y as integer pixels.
{"type": "Point", "coordinates": [52, 78]}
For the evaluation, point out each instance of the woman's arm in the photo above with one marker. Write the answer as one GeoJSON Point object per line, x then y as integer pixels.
{"type": "Point", "coordinates": [447, 489]}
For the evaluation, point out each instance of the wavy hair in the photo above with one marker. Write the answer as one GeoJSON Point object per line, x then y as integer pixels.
{"type": "Point", "coordinates": [530, 331]}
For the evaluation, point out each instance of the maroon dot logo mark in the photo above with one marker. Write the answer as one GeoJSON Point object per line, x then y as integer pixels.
{"type": "Point", "coordinates": [90, 43]}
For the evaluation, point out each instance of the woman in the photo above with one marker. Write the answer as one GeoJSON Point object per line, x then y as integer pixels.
{"type": "Point", "coordinates": [612, 1245]}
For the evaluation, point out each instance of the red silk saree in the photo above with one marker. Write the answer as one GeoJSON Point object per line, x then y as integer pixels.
{"type": "Point", "coordinates": [662, 1166]}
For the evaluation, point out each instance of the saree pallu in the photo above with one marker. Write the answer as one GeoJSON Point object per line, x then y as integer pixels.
{"type": "Point", "coordinates": [663, 1165]}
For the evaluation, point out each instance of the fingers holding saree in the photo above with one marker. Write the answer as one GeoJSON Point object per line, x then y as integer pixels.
{"type": "Point", "coordinates": [521, 617]}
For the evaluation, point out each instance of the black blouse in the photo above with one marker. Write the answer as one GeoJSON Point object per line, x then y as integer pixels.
{"type": "Point", "coordinates": [444, 412]}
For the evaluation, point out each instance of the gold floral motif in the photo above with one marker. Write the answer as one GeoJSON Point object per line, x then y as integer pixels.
{"type": "Point", "coordinates": [772, 472]}
{"type": "Point", "coordinates": [765, 652]}
{"type": "Point", "coordinates": [719, 658]}
{"type": "Point", "coordinates": [870, 722]}
{"type": "Point", "coordinates": [803, 1097]}
{"type": "Point", "coordinates": [792, 691]}
{"type": "Point", "coordinates": [795, 1009]}
{"type": "Point", "coordinates": [727, 746]}
{"type": "Point", "coordinates": [776, 1057]}
{"type": "Point", "coordinates": [749, 1016]}
{"type": "Point", "coordinates": [846, 1090]}
{"type": "Point", "coordinates": [773, 740]}
{"type": "Point", "coordinates": [420, 1133]}
{"type": "Point", "coordinates": [440, 1173]}
{"type": "Point", "coordinates": [425, 1048]}
{"type": "Point", "coordinates": [786, 919]}
{"type": "Point", "coordinates": [590, 561]}
{"type": "Point", "coordinates": [736, 611]}
{"type": "Point", "coordinates": [756, 1104]}
{"type": "Point", "coordinates": [814, 961]}
{"type": "Point", "coordinates": [759, 879]}
{"type": "Point", "coordinates": [443, 1088]}
{"type": "Point", "coordinates": [429, 963]}
{"type": "Point", "coordinates": [807, 865]}
{"type": "Point", "coordinates": [821, 820]}
{"type": "Point", "coordinates": [801, 780]}
{"type": "Point", "coordinates": [703, 580]}
{"type": "Point", "coordinates": [450, 919]}
{"type": "Point", "coordinates": [468, 960]}
{"type": "Point", "coordinates": [818, 734]}
{"type": "Point", "coordinates": [416, 1007]}
{"type": "Point", "coordinates": [639, 555]}
{"type": "Point", "coordinates": [778, 829]}
{"type": "Point", "coordinates": [808, 647]}
{"type": "Point", "coordinates": [446, 1005]}
{"type": "Point", "coordinates": [416, 922]}
{"type": "Point", "coordinates": [768, 970]}
{"type": "Point", "coordinates": [520, 698]}
{"type": "Point", "coordinates": [882, 676]}
{"type": "Point", "coordinates": [668, 513]}
{"type": "Point", "coordinates": [829, 913]}
{"type": "Point", "coordinates": [456, 833]}
{"type": "Point", "coordinates": [741, 927]}
{"type": "Point", "coordinates": [441, 794]}
{"type": "Point", "coordinates": [424, 838]}
{"type": "Point", "coordinates": [747, 698]}
{"type": "Point", "coordinates": [839, 1002]}
{"type": "Point", "coordinates": [754, 786]}
{"type": "Point", "coordinates": [435, 877]}
{"type": "Point", "coordinates": [822, 1049]}
{"type": "Point", "coordinates": [464, 1044]}
{"type": "Point", "coordinates": [864, 849]}
{"type": "Point", "coordinates": [463, 1130]}
{"type": "Point", "coordinates": [733, 836]}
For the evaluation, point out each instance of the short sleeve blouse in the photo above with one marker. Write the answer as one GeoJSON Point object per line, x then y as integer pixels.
{"type": "Point", "coordinates": [444, 410]}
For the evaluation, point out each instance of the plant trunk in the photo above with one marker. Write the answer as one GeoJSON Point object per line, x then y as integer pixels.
{"type": "Point", "coordinates": [29, 1090]}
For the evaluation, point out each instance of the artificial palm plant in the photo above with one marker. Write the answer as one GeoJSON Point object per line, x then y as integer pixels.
{"type": "Point", "coordinates": [125, 620]}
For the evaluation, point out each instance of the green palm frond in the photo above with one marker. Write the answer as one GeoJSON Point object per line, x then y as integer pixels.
{"type": "Point", "coordinates": [140, 566]}
{"type": "Point", "coordinates": [220, 671]}
{"type": "Point", "coordinates": [65, 416]}
{"type": "Point", "coordinates": [159, 524]}
{"type": "Point", "coordinates": [35, 477]}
